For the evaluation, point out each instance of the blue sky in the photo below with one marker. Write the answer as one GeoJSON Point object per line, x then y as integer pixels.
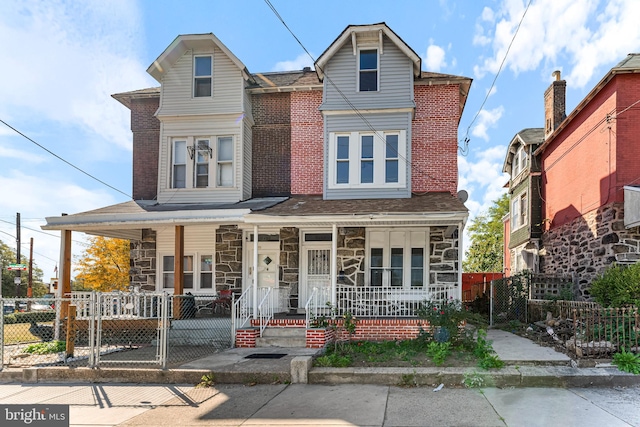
{"type": "Point", "coordinates": [61, 61]}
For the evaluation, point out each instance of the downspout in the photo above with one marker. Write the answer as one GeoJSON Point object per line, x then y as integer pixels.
{"type": "Point", "coordinates": [255, 271]}
{"type": "Point", "coordinates": [334, 265]}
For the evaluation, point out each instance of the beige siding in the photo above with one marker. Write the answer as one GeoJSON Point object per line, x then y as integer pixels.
{"type": "Point", "coordinates": [396, 81]}
{"type": "Point", "coordinates": [177, 87]}
{"type": "Point", "coordinates": [247, 160]}
{"type": "Point", "coordinates": [212, 127]}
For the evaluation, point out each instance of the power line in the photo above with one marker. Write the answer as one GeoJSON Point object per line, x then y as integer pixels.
{"type": "Point", "coordinates": [60, 158]}
{"type": "Point", "coordinates": [41, 232]}
{"type": "Point", "coordinates": [465, 150]}
{"type": "Point", "coordinates": [353, 107]}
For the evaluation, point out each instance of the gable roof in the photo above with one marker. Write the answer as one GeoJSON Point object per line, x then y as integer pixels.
{"type": "Point", "coordinates": [351, 30]}
{"type": "Point", "coordinates": [526, 136]}
{"type": "Point", "coordinates": [185, 42]}
{"type": "Point", "coordinates": [629, 65]}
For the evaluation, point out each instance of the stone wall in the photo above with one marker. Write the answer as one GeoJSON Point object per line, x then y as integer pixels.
{"type": "Point", "coordinates": [228, 257]}
{"type": "Point", "coordinates": [142, 261]}
{"type": "Point", "coordinates": [289, 256]}
{"type": "Point", "coordinates": [586, 246]}
{"type": "Point", "coordinates": [443, 257]}
{"type": "Point", "coordinates": [351, 255]}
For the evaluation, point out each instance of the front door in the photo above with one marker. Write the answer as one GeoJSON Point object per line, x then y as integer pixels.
{"type": "Point", "coordinates": [315, 273]}
{"type": "Point", "coordinates": [268, 255]}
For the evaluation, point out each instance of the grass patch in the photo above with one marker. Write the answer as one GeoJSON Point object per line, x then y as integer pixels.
{"type": "Point", "coordinates": [18, 333]}
{"type": "Point", "coordinates": [46, 347]}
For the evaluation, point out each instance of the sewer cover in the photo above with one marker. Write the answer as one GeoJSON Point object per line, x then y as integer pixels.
{"type": "Point", "coordinates": [265, 356]}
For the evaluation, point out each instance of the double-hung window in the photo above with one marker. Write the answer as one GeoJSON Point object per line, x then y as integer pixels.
{"type": "Point", "coordinates": [515, 213]}
{"type": "Point", "coordinates": [368, 70]}
{"type": "Point", "coordinates": [225, 162]}
{"type": "Point", "coordinates": [179, 167]}
{"type": "Point", "coordinates": [202, 75]}
{"type": "Point", "coordinates": [202, 163]}
{"type": "Point", "coordinates": [194, 279]}
{"type": "Point", "coordinates": [374, 160]}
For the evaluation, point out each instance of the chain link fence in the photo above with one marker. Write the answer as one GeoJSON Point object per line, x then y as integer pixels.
{"type": "Point", "coordinates": [510, 296]}
{"type": "Point", "coordinates": [100, 329]}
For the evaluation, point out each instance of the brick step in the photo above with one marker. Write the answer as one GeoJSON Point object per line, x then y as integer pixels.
{"type": "Point", "coordinates": [284, 332]}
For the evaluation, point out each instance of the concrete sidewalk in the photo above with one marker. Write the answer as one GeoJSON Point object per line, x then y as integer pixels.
{"type": "Point", "coordinates": [332, 405]}
{"type": "Point", "coordinates": [528, 365]}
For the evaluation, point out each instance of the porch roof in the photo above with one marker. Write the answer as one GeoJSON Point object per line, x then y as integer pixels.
{"type": "Point", "coordinates": [126, 220]}
{"type": "Point", "coordinates": [433, 208]}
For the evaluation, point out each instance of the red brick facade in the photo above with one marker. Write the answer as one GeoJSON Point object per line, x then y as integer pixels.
{"type": "Point", "coordinates": [271, 144]}
{"type": "Point", "coordinates": [146, 144]}
{"type": "Point", "coordinates": [307, 153]}
{"type": "Point", "coordinates": [434, 139]}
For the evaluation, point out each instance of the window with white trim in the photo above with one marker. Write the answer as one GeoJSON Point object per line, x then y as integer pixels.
{"type": "Point", "coordinates": [192, 165]}
{"type": "Point", "coordinates": [202, 75]}
{"type": "Point", "coordinates": [225, 162]}
{"type": "Point", "coordinates": [368, 70]}
{"type": "Point", "coordinates": [519, 211]}
{"type": "Point", "coordinates": [520, 160]}
{"type": "Point", "coordinates": [179, 167]}
{"type": "Point", "coordinates": [196, 276]}
{"type": "Point", "coordinates": [515, 213]}
{"type": "Point", "coordinates": [367, 160]}
{"type": "Point", "coordinates": [397, 258]}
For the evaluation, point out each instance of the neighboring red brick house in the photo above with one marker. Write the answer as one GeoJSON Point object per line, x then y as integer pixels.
{"type": "Point", "coordinates": [297, 188]}
{"type": "Point", "coordinates": [589, 167]}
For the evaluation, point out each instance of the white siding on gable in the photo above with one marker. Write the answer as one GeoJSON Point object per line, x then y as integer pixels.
{"type": "Point", "coordinates": [177, 87]}
{"type": "Point", "coordinates": [200, 126]}
{"type": "Point", "coordinates": [396, 81]}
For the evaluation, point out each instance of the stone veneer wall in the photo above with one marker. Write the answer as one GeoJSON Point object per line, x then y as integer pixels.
{"type": "Point", "coordinates": [142, 261]}
{"type": "Point", "coordinates": [289, 258]}
{"type": "Point", "coordinates": [228, 257]}
{"type": "Point", "coordinates": [351, 254]}
{"type": "Point", "coordinates": [443, 258]}
{"type": "Point", "coordinates": [586, 246]}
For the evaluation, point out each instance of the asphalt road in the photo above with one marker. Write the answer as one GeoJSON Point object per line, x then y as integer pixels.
{"type": "Point", "coordinates": [326, 405]}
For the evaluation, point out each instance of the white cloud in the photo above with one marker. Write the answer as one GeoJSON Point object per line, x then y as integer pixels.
{"type": "Point", "coordinates": [303, 60]}
{"type": "Point", "coordinates": [62, 61]}
{"type": "Point", "coordinates": [12, 153]}
{"type": "Point", "coordinates": [487, 119]}
{"type": "Point", "coordinates": [583, 34]}
{"type": "Point", "coordinates": [487, 14]}
{"type": "Point", "coordinates": [434, 60]}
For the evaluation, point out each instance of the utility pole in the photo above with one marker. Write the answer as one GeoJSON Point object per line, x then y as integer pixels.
{"type": "Point", "coordinates": [18, 272]}
{"type": "Point", "coordinates": [30, 285]}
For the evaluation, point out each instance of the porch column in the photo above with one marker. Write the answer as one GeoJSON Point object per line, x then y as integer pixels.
{"type": "Point", "coordinates": [255, 271]}
{"type": "Point", "coordinates": [460, 249]}
{"type": "Point", "coordinates": [178, 270]}
{"type": "Point", "coordinates": [64, 284]}
{"type": "Point", "coordinates": [334, 265]}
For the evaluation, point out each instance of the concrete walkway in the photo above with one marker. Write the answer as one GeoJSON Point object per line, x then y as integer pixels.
{"type": "Point", "coordinates": [331, 405]}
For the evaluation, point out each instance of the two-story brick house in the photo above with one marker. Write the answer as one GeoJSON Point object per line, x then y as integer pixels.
{"type": "Point", "coordinates": [334, 183]}
{"type": "Point", "coordinates": [588, 178]}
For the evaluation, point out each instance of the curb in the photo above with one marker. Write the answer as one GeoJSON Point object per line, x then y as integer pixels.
{"type": "Point", "coordinates": [509, 376]}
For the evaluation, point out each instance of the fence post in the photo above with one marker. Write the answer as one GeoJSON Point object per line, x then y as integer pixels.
{"type": "Point", "coordinates": [491, 303]}
{"type": "Point", "coordinates": [164, 325]}
{"type": "Point", "coordinates": [71, 330]}
{"type": "Point", "coordinates": [92, 330]}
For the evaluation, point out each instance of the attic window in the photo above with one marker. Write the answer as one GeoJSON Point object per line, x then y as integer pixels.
{"type": "Point", "coordinates": [368, 70]}
{"type": "Point", "coordinates": [202, 73]}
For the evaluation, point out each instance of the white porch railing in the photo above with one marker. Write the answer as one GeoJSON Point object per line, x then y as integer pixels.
{"type": "Point", "coordinates": [118, 305]}
{"type": "Point", "coordinates": [318, 303]}
{"type": "Point", "coordinates": [241, 312]}
{"type": "Point", "coordinates": [388, 302]}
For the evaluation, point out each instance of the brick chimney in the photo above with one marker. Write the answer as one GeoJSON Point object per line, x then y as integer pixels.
{"type": "Point", "coordinates": [554, 104]}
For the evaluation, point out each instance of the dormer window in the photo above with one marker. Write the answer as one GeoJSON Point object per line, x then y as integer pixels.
{"type": "Point", "coordinates": [368, 70]}
{"type": "Point", "coordinates": [202, 74]}
{"type": "Point", "coordinates": [519, 161]}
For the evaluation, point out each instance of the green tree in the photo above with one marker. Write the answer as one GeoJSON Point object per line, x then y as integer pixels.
{"type": "Point", "coordinates": [104, 265]}
{"type": "Point", "coordinates": [486, 236]}
{"type": "Point", "coordinates": [8, 256]}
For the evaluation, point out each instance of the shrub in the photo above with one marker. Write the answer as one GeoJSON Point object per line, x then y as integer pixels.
{"type": "Point", "coordinates": [617, 286]}
{"type": "Point", "coordinates": [10, 319]}
{"type": "Point", "coordinates": [627, 362]}
{"type": "Point", "coordinates": [439, 351]}
{"type": "Point", "coordinates": [445, 318]}
{"type": "Point", "coordinates": [46, 347]}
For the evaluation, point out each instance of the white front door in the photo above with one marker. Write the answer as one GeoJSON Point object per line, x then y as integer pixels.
{"type": "Point", "coordinates": [268, 255]}
{"type": "Point", "coordinates": [315, 272]}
